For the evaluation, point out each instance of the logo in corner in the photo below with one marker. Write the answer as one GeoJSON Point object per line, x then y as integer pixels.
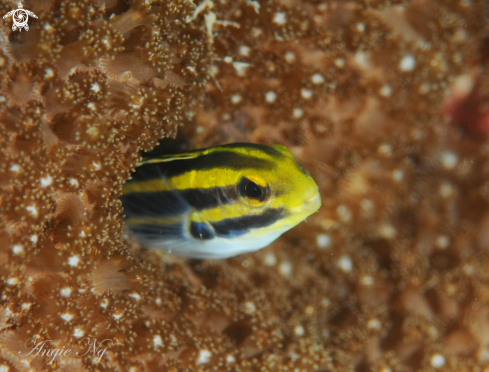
{"type": "Point", "coordinates": [20, 17]}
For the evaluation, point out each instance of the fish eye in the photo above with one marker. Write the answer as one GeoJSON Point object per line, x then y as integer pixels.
{"type": "Point", "coordinates": [252, 191]}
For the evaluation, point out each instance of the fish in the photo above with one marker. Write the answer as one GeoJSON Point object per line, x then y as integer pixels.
{"type": "Point", "coordinates": [218, 202]}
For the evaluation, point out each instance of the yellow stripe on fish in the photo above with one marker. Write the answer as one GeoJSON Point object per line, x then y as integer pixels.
{"type": "Point", "coordinates": [218, 202]}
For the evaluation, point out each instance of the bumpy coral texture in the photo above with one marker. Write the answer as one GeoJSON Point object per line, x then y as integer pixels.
{"type": "Point", "coordinates": [385, 103]}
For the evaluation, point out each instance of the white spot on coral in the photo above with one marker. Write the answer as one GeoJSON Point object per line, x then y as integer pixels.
{"type": "Point", "coordinates": [285, 268]}
{"type": "Point", "coordinates": [236, 98]}
{"type": "Point", "coordinates": [229, 359]}
{"type": "Point", "coordinates": [26, 306]}
{"type": "Point", "coordinates": [95, 87]}
{"type": "Point", "coordinates": [249, 307]}
{"type": "Point", "coordinates": [323, 241]}
{"type": "Point", "coordinates": [270, 97]}
{"type": "Point", "coordinates": [91, 106]}
{"type": "Point", "coordinates": [48, 73]}
{"type": "Point", "coordinates": [74, 260]}
{"type": "Point", "coordinates": [297, 113]}
{"type": "Point", "coordinates": [228, 59]}
{"type": "Point", "coordinates": [387, 231]}
{"type": "Point", "coordinates": [361, 27]}
{"type": "Point", "coordinates": [2, 99]}
{"type": "Point", "coordinates": [386, 369]}
{"type": "Point", "coordinates": [157, 341]}
{"type": "Point", "coordinates": [67, 317]}
{"type": "Point", "coordinates": [385, 149]}
{"type": "Point", "coordinates": [204, 356]}
{"type": "Point", "coordinates": [408, 63]}
{"type": "Point", "coordinates": [374, 324]}
{"type": "Point", "coordinates": [270, 259]}
{"type": "Point", "coordinates": [12, 281]}
{"type": "Point", "coordinates": [424, 88]}
{"type": "Point", "coordinates": [397, 175]}
{"type": "Point", "coordinates": [46, 181]}
{"type": "Point", "coordinates": [240, 67]}
{"type": "Point", "coordinates": [367, 280]}
{"type": "Point", "coordinates": [18, 249]}
{"type": "Point", "coordinates": [317, 79]}
{"type": "Point", "coordinates": [158, 301]}
{"type": "Point", "coordinates": [344, 213]}
{"type": "Point", "coordinates": [104, 303]}
{"type": "Point", "coordinates": [33, 238]}
{"type": "Point", "coordinates": [213, 70]}
{"type": "Point", "coordinates": [446, 189]}
{"type": "Point", "coordinates": [65, 292]}
{"type": "Point", "coordinates": [279, 18]}
{"type": "Point", "coordinates": [290, 57]}
{"type": "Point", "coordinates": [339, 62]}
{"type": "Point", "coordinates": [117, 316]}
{"type": "Point", "coordinates": [448, 159]}
{"type": "Point", "coordinates": [385, 91]}
{"type": "Point", "coordinates": [74, 182]}
{"type": "Point", "coordinates": [96, 165]}
{"type": "Point", "coordinates": [306, 93]}
{"type": "Point", "coordinates": [135, 295]}
{"type": "Point", "coordinates": [78, 332]}
{"type": "Point", "coordinates": [367, 206]}
{"type": "Point", "coordinates": [32, 210]}
{"type": "Point", "coordinates": [244, 50]}
{"type": "Point", "coordinates": [437, 360]}
{"type": "Point", "coordinates": [361, 60]}
{"type": "Point", "coordinates": [299, 330]}
{"type": "Point", "coordinates": [256, 32]}
{"type": "Point", "coordinates": [442, 241]}
{"type": "Point", "coordinates": [15, 168]}
{"type": "Point", "coordinates": [345, 263]}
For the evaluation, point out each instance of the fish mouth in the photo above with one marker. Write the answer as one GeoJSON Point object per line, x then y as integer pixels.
{"type": "Point", "coordinates": [312, 205]}
{"type": "Point", "coordinates": [308, 207]}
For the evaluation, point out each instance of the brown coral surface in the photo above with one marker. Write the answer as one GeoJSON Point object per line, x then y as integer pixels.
{"type": "Point", "coordinates": [385, 103]}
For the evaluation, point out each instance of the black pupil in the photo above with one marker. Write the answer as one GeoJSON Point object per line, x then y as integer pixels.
{"type": "Point", "coordinates": [252, 190]}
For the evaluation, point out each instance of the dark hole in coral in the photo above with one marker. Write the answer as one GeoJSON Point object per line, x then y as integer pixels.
{"type": "Point", "coordinates": [119, 8]}
{"type": "Point", "coordinates": [415, 359]}
{"type": "Point", "coordinates": [444, 260]}
{"type": "Point", "coordinates": [485, 51]}
{"type": "Point", "coordinates": [395, 333]}
{"type": "Point", "coordinates": [343, 318]}
{"type": "Point", "coordinates": [135, 38]}
{"type": "Point", "coordinates": [382, 248]}
{"type": "Point", "coordinates": [259, 279]}
{"type": "Point", "coordinates": [434, 300]}
{"type": "Point", "coordinates": [363, 366]}
{"type": "Point", "coordinates": [238, 332]}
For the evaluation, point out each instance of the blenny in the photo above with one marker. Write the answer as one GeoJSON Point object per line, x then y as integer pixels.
{"type": "Point", "coordinates": [218, 202]}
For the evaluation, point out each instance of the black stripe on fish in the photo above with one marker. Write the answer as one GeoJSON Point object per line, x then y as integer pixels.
{"type": "Point", "coordinates": [175, 202]}
{"type": "Point", "coordinates": [154, 204]}
{"type": "Point", "coordinates": [231, 227]}
{"type": "Point", "coordinates": [209, 198]}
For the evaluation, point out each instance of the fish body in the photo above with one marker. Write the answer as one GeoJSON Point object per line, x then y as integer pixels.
{"type": "Point", "coordinates": [218, 202]}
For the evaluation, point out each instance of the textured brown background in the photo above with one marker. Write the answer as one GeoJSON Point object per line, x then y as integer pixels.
{"type": "Point", "coordinates": [385, 103]}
